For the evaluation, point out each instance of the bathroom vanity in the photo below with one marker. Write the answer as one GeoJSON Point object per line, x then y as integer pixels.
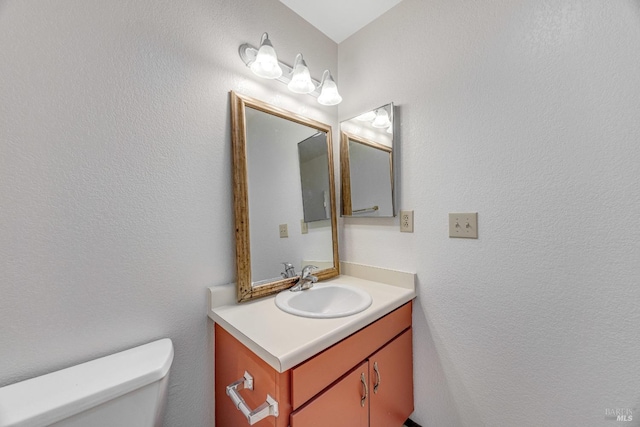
{"type": "Point", "coordinates": [348, 371]}
{"type": "Point", "coordinates": [276, 363]}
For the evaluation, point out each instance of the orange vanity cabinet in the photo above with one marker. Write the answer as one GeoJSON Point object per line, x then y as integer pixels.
{"type": "Point", "coordinates": [364, 380]}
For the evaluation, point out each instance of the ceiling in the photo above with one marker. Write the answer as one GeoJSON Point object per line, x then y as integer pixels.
{"type": "Point", "coordinates": [339, 19]}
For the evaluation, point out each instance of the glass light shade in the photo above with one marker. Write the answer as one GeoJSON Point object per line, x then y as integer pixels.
{"type": "Point", "coordinates": [300, 78]}
{"type": "Point", "coordinates": [329, 94]}
{"type": "Point", "coordinates": [366, 117]}
{"type": "Point", "coordinates": [390, 130]}
{"type": "Point", "coordinates": [382, 119]}
{"type": "Point", "coordinates": [266, 63]}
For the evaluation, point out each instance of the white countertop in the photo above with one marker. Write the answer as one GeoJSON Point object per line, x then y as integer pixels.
{"type": "Point", "coordinates": [284, 340]}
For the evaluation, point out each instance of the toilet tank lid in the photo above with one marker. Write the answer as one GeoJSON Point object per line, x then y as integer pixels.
{"type": "Point", "coordinates": [52, 397]}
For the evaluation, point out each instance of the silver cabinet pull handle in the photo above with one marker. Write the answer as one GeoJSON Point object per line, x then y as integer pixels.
{"type": "Point", "coordinates": [365, 389]}
{"type": "Point", "coordinates": [268, 408]}
{"type": "Point", "coordinates": [378, 377]}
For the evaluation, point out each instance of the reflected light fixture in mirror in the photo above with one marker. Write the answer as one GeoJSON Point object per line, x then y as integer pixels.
{"type": "Point", "coordinates": [367, 117]}
{"type": "Point", "coordinates": [264, 63]}
{"type": "Point", "coordinates": [378, 119]}
{"type": "Point", "coordinates": [381, 120]}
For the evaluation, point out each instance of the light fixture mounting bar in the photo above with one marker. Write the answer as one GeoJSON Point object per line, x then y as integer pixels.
{"type": "Point", "coordinates": [248, 55]}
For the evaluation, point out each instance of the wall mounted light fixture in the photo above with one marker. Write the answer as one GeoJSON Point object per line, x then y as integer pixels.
{"type": "Point", "coordinates": [301, 77]}
{"type": "Point", "coordinates": [264, 63]}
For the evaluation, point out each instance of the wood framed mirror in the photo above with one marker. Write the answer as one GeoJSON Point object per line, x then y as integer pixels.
{"type": "Point", "coordinates": [284, 197]}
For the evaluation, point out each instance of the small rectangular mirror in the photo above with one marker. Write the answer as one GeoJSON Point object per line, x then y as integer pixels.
{"type": "Point", "coordinates": [366, 164]}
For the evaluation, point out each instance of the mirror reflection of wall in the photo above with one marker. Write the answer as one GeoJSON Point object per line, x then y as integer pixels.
{"type": "Point", "coordinates": [366, 161]}
{"type": "Point", "coordinates": [276, 178]}
{"type": "Point", "coordinates": [314, 176]}
{"type": "Point", "coordinates": [370, 179]}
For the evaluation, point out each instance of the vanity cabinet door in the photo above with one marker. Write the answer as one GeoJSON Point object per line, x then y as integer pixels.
{"type": "Point", "coordinates": [341, 405]}
{"type": "Point", "coordinates": [391, 382]}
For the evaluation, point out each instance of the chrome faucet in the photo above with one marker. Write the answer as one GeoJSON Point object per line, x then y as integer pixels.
{"type": "Point", "coordinates": [306, 279]}
{"type": "Point", "coordinates": [289, 271]}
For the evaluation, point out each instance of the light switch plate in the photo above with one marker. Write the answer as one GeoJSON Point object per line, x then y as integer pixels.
{"type": "Point", "coordinates": [464, 225]}
{"type": "Point", "coordinates": [284, 231]}
{"type": "Point", "coordinates": [304, 227]}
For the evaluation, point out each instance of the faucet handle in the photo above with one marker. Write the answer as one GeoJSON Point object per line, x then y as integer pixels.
{"type": "Point", "coordinates": [289, 271]}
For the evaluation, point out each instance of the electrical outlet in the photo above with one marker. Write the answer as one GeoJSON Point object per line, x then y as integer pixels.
{"type": "Point", "coordinates": [463, 225]}
{"type": "Point", "coordinates": [406, 221]}
{"type": "Point", "coordinates": [284, 231]}
{"type": "Point", "coordinates": [304, 227]}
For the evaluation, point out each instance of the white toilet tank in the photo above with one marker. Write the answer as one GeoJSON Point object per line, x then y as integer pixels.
{"type": "Point", "coordinates": [126, 389]}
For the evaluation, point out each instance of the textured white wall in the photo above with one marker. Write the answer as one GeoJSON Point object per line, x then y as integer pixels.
{"type": "Point", "coordinates": [527, 112]}
{"type": "Point", "coordinates": [115, 175]}
{"type": "Point", "coordinates": [115, 189]}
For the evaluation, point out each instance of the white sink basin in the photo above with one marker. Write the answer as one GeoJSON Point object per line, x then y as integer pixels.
{"type": "Point", "coordinates": [324, 301]}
